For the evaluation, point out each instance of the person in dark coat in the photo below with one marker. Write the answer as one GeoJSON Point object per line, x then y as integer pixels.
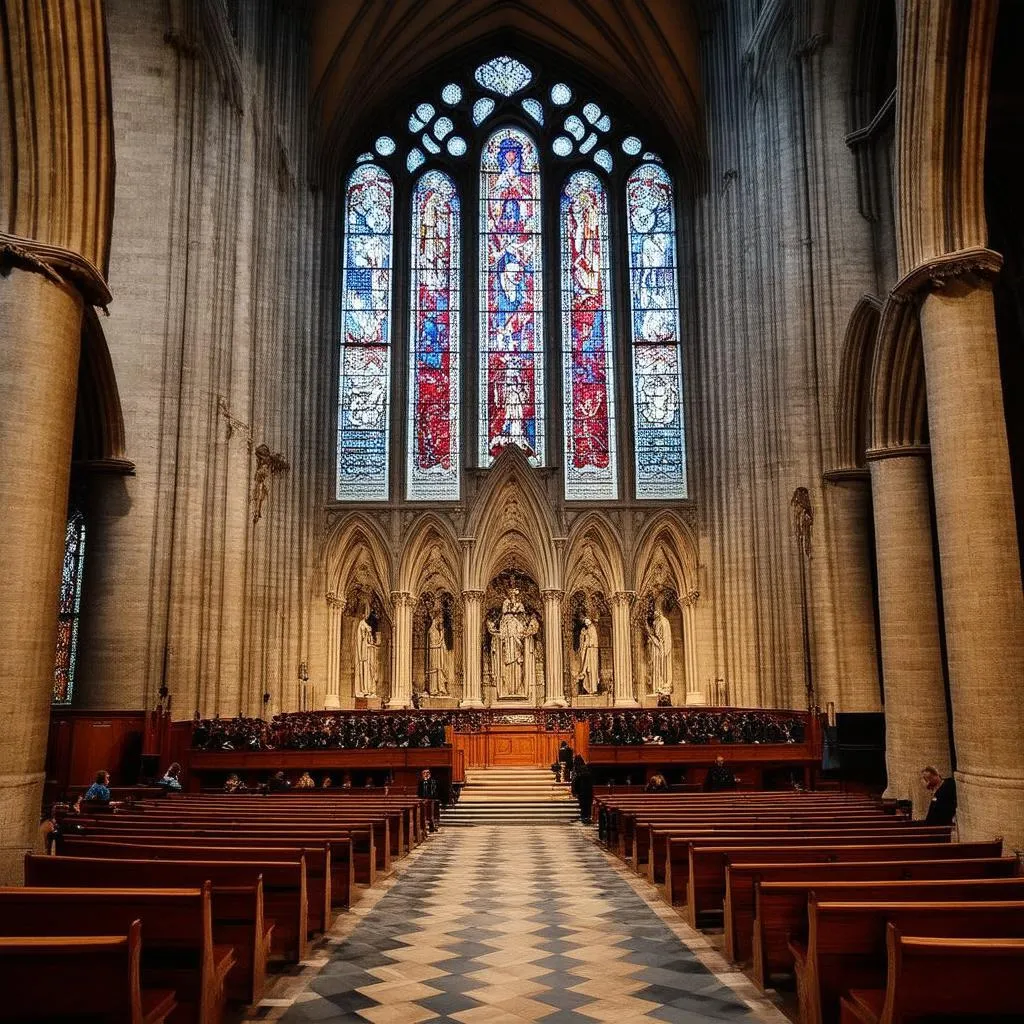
{"type": "Point", "coordinates": [719, 777]}
{"type": "Point", "coordinates": [565, 761]}
{"type": "Point", "coordinates": [942, 809]}
{"type": "Point", "coordinates": [582, 784]}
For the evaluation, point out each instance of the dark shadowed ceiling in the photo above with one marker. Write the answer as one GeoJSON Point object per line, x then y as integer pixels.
{"type": "Point", "coordinates": [367, 53]}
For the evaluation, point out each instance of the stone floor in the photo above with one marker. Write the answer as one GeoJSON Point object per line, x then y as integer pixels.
{"type": "Point", "coordinates": [500, 925]}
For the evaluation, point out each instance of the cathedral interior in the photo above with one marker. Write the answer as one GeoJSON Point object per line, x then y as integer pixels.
{"type": "Point", "coordinates": [509, 355]}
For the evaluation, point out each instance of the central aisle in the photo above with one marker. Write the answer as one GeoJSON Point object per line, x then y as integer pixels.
{"type": "Point", "coordinates": [500, 925]}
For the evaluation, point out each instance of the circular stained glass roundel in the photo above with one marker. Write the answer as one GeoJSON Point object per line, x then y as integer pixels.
{"type": "Point", "coordinates": [385, 145]}
{"type": "Point", "coordinates": [592, 112]}
{"type": "Point", "coordinates": [425, 111]}
{"type": "Point", "coordinates": [603, 159]}
{"type": "Point", "coordinates": [562, 145]}
{"type": "Point", "coordinates": [451, 94]}
{"type": "Point", "coordinates": [561, 94]}
{"type": "Point", "coordinates": [575, 127]}
{"type": "Point", "coordinates": [457, 145]}
{"type": "Point", "coordinates": [605, 124]}
{"type": "Point", "coordinates": [482, 110]}
{"type": "Point", "coordinates": [443, 127]}
{"type": "Point", "coordinates": [414, 159]}
{"type": "Point", "coordinates": [631, 145]}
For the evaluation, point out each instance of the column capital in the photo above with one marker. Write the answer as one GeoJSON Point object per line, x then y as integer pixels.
{"type": "Point", "coordinates": [624, 597]}
{"type": "Point", "coordinates": [552, 595]}
{"type": "Point", "coordinates": [906, 451]}
{"type": "Point", "coordinates": [473, 595]}
{"type": "Point", "coordinates": [56, 264]}
{"type": "Point", "coordinates": [334, 601]}
{"type": "Point", "coordinates": [402, 599]}
{"type": "Point", "coordinates": [972, 266]}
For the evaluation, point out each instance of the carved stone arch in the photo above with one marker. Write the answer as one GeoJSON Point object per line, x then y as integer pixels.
{"type": "Point", "coordinates": [355, 551]}
{"type": "Point", "coordinates": [512, 516]}
{"type": "Point", "coordinates": [852, 413]}
{"type": "Point", "coordinates": [594, 553]}
{"type": "Point", "coordinates": [897, 401]}
{"type": "Point", "coordinates": [430, 557]}
{"type": "Point", "coordinates": [667, 546]}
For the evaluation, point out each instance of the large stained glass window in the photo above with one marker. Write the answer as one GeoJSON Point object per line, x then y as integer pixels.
{"type": "Point", "coordinates": [657, 357]}
{"type": "Point", "coordinates": [588, 393]}
{"type": "Point", "coordinates": [433, 468]}
{"type": "Point", "coordinates": [365, 379]}
{"type": "Point", "coordinates": [511, 325]}
{"type": "Point", "coordinates": [69, 609]}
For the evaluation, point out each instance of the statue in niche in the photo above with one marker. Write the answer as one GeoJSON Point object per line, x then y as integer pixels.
{"type": "Point", "coordinates": [510, 677]}
{"type": "Point", "coordinates": [589, 675]}
{"type": "Point", "coordinates": [530, 654]}
{"type": "Point", "coordinates": [659, 651]}
{"type": "Point", "coordinates": [439, 671]}
{"type": "Point", "coordinates": [367, 650]}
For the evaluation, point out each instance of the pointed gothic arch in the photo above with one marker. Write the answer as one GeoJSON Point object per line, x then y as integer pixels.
{"type": "Point", "coordinates": [604, 560]}
{"type": "Point", "coordinates": [898, 404]}
{"type": "Point", "coordinates": [853, 409]}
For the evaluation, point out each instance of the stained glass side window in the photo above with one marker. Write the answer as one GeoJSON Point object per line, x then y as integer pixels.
{"type": "Point", "coordinates": [588, 393]}
{"type": "Point", "coordinates": [657, 357]}
{"type": "Point", "coordinates": [365, 378]}
{"type": "Point", "coordinates": [69, 610]}
{"type": "Point", "coordinates": [434, 370]}
{"type": "Point", "coordinates": [511, 301]}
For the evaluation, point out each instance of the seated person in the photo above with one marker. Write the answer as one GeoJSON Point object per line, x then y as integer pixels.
{"type": "Point", "coordinates": [278, 783]}
{"type": "Point", "coordinates": [233, 784]}
{"type": "Point", "coordinates": [305, 781]}
{"type": "Point", "coordinates": [170, 779]}
{"type": "Point", "coordinates": [346, 780]}
{"type": "Point", "coordinates": [656, 784]}
{"type": "Point", "coordinates": [99, 791]}
{"type": "Point", "coordinates": [326, 782]}
{"type": "Point", "coordinates": [719, 777]}
{"type": "Point", "coordinates": [942, 809]}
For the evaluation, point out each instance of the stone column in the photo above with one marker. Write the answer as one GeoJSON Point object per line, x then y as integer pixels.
{"type": "Point", "coordinates": [622, 650]}
{"type": "Point", "coordinates": [401, 650]}
{"type": "Point", "coordinates": [916, 722]}
{"type": "Point", "coordinates": [472, 607]}
{"type": "Point", "coordinates": [335, 620]}
{"type": "Point", "coordinates": [554, 684]}
{"type": "Point", "coordinates": [848, 511]}
{"type": "Point", "coordinates": [981, 582]}
{"type": "Point", "coordinates": [39, 351]}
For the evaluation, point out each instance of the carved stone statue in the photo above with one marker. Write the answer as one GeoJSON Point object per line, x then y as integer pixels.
{"type": "Point", "coordinates": [367, 650]}
{"type": "Point", "coordinates": [511, 679]}
{"type": "Point", "coordinates": [659, 652]}
{"type": "Point", "coordinates": [438, 657]}
{"type": "Point", "coordinates": [589, 669]}
{"type": "Point", "coordinates": [530, 654]}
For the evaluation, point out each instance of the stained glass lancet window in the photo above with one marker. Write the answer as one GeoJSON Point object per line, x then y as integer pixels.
{"type": "Point", "coordinates": [657, 357]}
{"type": "Point", "coordinates": [588, 393]}
{"type": "Point", "coordinates": [433, 467]}
{"type": "Point", "coordinates": [511, 324]}
{"type": "Point", "coordinates": [365, 377]}
{"type": "Point", "coordinates": [69, 609]}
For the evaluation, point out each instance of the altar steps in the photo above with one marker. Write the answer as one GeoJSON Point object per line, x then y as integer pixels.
{"type": "Point", "coordinates": [512, 796]}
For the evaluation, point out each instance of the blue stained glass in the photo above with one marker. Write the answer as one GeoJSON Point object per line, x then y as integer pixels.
{"type": "Point", "coordinates": [363, 157]}
{"type": "Point", "coordinates": [443, 126]}
{"type": "Point", "coordinates": [415, 124]}
{"type": "Point", "coordinates": [534, 109]}
{"type": "Point", "coordinates": [482, 110]}
{"type": "Point", "coordinates": [365, 378]}
{"type": "Point", "coordinates": [588, 392]}
{"type": "Point", "coordinates": [652, 156]}
{"type": "Point", "coordinates": [654, 322]}
{"type": "Point", "coordinates": [511, 308]}
{"type": "Point", "coordinates": [430, 145]}
{"type": "Point", "coordinates": [561, 94]}
{"type": "Point", "coordinates": [385, 145]}
{"type": "Point", "coordinates": [457, 145]}
{"type": "Point", "coordinates": [451, 94]}
{"type": "Point", "coordinates": [434, 332]}
{"type": "Point", "coordinates": [592, 112]}
{"type": "Point", "coordinates": [603, 159]}
{"type": "Point", "coordinates": [604, 124]}
{"type": "Point", "coordinates": [425, 111]}
{"type": "Point", "coordinates": [562, 145]}
{"type": "Point", "coordinates": [575, 127]}
{"type": "Point", "coordinates": [504, 75]}
{"type": "Point", "coordinates": [69, 608]}
{"type": "Point", "coordinates": [631, 145]}
{"type": "Point", "coordinates": [588, 143]}
{"type": "Point", "coordinates": [414, 159]}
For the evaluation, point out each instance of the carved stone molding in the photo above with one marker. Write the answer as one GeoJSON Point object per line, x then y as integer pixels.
{"type": "Point", "coordinates": [972, 265]}
{"type": "Point", "coordinates": [473, 595]}
{"type": "Point", "coordinates": [907, 451]}
{"type": "Point", "coordinates": [839, 476]}
{"type": "Point", "coordinates": [690, 598]}
{"type": "Point", "coordinates": [626, 597]}
{"type": "Point", "coordinates": [61, 266]}
{"type": "Point", "coordinates": [335, 601]}
{"type": "Point", "coordinates": [268, 464]}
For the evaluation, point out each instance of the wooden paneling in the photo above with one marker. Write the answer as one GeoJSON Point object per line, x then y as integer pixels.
{"type": "Point", "coordinates": [499, 745]}
{"type": "Point", "coordinates": [83, 742]}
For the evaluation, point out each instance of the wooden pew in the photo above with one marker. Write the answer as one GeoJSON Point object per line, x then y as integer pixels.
{"type": "Point", "coordinates": [70, 978]}
{"type": "Point", "coordinates": [177, 951]}
{"type": "Point", "coordinates": [740, 879]}
{"type": "Point", "coordinates": [781, 914]}
{"type": "Point", "coordinates": [707, 869]}
{"type": "Point", "coordinates": [846, 944]}
{"type": "Point", "coordinates": [237, 908]}
{"type": "Point", "coordinates": [285, 898]}
{"type": "Point", "coordinates": [318, 855]}
{"type": "Point", "coordinates": [928, 977]}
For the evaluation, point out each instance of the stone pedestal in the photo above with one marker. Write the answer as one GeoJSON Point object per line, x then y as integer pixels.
{"type": "Point", "coordinates": [696, 698]}
{"type": "Point", "coordinates": [916, 723]}
{"type": "Point", "coordinates": [368, 704]}
{"type": "Point", "coordinates": [592, 700]}
{"type": "Point", "coordinates": [429, 703]}
{"type": "Point", "coordinates": [983, 603]}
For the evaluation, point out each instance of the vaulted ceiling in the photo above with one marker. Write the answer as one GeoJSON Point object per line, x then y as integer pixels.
{"type": "Point", "coordinates": [365, 53]}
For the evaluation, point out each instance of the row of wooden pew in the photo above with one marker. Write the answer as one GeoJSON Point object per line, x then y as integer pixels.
{"type": "Point", "coordinates": [873, 917]}
{"type": "Point", "coordinates": [173, 909]}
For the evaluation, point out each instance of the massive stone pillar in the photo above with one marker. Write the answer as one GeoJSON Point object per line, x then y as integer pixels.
{"type": "Point", "coordinates": [622, 652]}
{"type": "Point", "coordinates": [981, 581]}
{"type": "Point", "coordinates": [401, 651]}
{"type": "Point", "coordinates": [916, 722]}
{"type": "Point", "coordinates": [335, 622]}
{"type": "Point", "coordinates": [554, 684]}
{"type": "Point", "coordinates": [848, 509]}
{"type": "Point", "coordinates": [472, 607]}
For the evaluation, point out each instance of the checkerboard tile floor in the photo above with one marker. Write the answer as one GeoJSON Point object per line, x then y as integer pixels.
{"type": "Point", "coordinates": [500, 925]}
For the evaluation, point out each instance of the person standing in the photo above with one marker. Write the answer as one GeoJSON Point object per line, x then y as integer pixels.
{"type": "Point", "coordinates": [582, 783]}
{"type": "Point", "coordinates": [719, 777]}
{"type": "Point", "coordinates": [942, 809]}
{"type": "Point", "coordinates": [565, 759]}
